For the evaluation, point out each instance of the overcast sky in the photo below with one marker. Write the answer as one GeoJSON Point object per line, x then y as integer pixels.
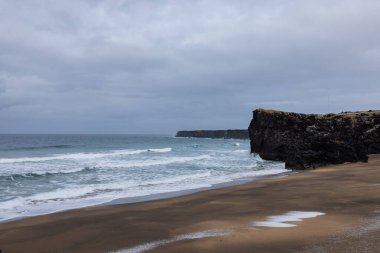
{"type": "Point", "coordinates": [157, 66]}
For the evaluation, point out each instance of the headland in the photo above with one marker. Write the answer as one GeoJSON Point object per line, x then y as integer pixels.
{"type": "Point", "coordinates": [215, 134]}
{"type": "Point", "coordinates": [306, 141]}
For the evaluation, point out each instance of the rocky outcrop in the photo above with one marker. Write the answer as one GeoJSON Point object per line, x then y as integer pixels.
{"type": "Point", "coordinates": [306, 141]}
{"type": "Point", "coordinates": [215, 134]}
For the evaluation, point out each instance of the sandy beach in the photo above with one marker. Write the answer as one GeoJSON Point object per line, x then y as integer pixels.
{"type": "Point", "coordinates": [346, 198]}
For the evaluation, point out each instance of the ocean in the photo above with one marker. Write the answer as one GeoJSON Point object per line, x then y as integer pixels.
{"type": "Point", "coordinates": [41, 174]}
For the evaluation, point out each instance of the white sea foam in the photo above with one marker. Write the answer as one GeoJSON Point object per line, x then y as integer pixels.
{"type": "Point", "coordinates": [40, 185]}
{"type": "Point", "coordinates": [160, 150]}
{"type": "Point", "coordinates": [82, 156]}
{"type": "Point", "coordinates": [57, 200]}
{"type": "Point", "coordinates": [29, 171]}
{"type": "Point", "coordinates": [150, 162]}
{"type": "Point", "coordinates": [177, 178]}
{"type": "Point", "coordinates": [191, 236]}
{"type": "Point", "coordinates": [281, 221]}
{"type": "Point", "coordinates": [244, 151]}
{"type": "Point", "coordinates": [79, 196]}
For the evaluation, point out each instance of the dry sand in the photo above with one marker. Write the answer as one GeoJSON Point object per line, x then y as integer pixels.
{"type": "Point", "coordinates": [348, 194]}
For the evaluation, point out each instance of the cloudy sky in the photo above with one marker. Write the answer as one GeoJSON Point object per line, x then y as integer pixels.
{"type": "Point", "coordinates": [156, 66]}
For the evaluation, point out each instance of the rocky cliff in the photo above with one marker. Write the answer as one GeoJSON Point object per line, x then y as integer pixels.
{"type": "Point", "coordinates": [215, 134]}
{"type": "Point", "coordinates": [306, 141]}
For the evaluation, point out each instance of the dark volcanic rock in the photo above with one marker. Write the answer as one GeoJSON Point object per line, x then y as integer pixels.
{"type": "Point", "coordinates": [305, 141]}
{"type": "Point", "coordinates": [216, 134]}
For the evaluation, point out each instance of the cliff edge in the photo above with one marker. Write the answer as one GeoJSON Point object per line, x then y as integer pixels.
{"type": "Point", "coordinates": [215, 134]}
{"type": "Point", "coordinates": [306, 141]}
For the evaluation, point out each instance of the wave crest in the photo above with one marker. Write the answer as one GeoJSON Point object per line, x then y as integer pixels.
{"type": "Point", "coordinates": [82, 156]}
{"type": "Point", "coordinates": [37, 147]}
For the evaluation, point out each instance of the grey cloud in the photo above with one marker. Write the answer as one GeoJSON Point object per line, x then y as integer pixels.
{"type": "Point", "coordinates": [158, 66]}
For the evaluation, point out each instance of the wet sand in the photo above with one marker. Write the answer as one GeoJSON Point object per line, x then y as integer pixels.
{"type": "Point", "coordinates": [348, 194]}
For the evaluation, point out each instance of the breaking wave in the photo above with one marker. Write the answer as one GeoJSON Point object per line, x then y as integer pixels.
{"type": "Point", "coordinates": [81, 156]}
{"type": "Point", "coordinates": [42, 179]}
{"type": "Point", "coordinates": [37, 147]}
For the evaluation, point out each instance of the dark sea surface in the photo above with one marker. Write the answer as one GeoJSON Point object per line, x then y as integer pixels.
{"type": "Point", "coordinates": [47, 173]}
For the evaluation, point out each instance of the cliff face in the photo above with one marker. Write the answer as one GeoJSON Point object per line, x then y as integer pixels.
{"type": "Point", "coordinates": [305, 141]}
{"type": "Point", "coordinates": [216, 134]}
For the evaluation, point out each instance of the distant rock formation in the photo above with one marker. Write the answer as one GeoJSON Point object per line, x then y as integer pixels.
{"type": "Point", "coordinates": [215, 134]}
{"type": "Point", "coordinates": [306, 141]}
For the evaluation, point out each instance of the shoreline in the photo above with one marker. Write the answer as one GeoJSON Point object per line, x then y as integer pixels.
{"type": "Point", "coordinates": [181, 193]}
{"type": "Point", "coordinates": [159, 196]}
{"type": "Point", "coordinates": [348, 195]}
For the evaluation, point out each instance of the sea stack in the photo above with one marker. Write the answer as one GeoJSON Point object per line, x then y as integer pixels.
{"type": "Point", "coordinates": [306, 141]}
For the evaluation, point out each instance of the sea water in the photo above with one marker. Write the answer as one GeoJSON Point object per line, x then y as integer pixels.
{"type": "Point", "coordinates": [41, 174]}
